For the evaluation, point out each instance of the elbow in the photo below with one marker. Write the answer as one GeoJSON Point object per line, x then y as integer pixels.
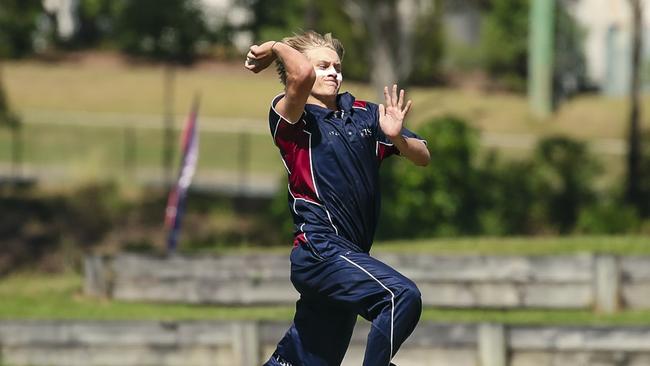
{"type": "Point", "coordinates": [302, 75]}
{"type": "Point", "coordinates": [423, 160]}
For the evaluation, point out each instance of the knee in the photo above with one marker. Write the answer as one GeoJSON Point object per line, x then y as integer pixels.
{"type": "Point", "coordinates": [411, 297]}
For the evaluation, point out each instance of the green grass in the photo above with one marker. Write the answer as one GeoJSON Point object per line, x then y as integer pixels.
{"type": "Point", "coordinates": [618, 245]}
{"type": "Point", "coordinates": [536, 317]}
{"type": "Point", "coordinates": [114, 93]}
{"type": "Point", "coordinates": [232, 92]}
{"type": "Point", "coordinates": [103, 149]}
{"type": "Point", "coordinates": [41, 296]}
{"type": "Point", "coordinates": [58, 297]}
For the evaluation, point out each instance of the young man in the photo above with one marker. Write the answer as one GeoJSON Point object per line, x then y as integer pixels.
{"type": "Point", "coordinates": [332, 146]}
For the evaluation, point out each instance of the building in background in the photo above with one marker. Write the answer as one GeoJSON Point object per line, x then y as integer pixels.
{"type": "Point", "coordinates": [64, 13]}
{"type": "Point", "coordinates": [608, 35]}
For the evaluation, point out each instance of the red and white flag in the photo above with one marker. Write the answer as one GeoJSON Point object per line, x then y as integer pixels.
{"type": "Point", "coordinates": [177, 196]}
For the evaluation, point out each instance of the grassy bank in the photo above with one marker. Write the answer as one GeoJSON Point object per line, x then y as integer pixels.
{"type": "Point", "coordinates": [84, 132]}
{"type": "Point", "coordinates": [618, 245]}
{"type": "Point", "coordinates": [58, 297]}
{"type": "Point", "coordinates": [229, 91]}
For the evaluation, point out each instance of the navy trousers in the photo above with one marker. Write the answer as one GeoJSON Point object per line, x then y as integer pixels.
{"type": "Point", "coordinates": [336, 284]}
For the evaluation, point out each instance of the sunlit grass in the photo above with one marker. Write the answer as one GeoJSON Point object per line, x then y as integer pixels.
{"type": "Point", "coordinates": [231, 92]}
{"type": "Point", "coordinates": [619, 245]}
{"type": "Point", "coordinates": [536, 317]}
{"type": "Point", "coordinates": [616, 245]}
{"type": "Point", "coordinates": [42, 296]}
{"type": "Point", "coordinates": [58, 297]}
{"type": "Point", "coordinates": [117, 95]}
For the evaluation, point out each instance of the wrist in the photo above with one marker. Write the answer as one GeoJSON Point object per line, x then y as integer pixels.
{"type": "Point", "coordinates": [397, 139]}
{"type": "Point", "coordinates": [273, 46]}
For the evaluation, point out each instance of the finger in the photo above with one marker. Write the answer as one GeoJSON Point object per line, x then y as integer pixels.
{"type": "Point", "coordinates": [394, 94]}
{"type": "Point", "coordinates": [387, 97]}
{"type": "Point", "coordinates": [382, 110]}
{"type": "Point", "coordinates": [250, 62]}
{"type": "Point", "coordinates": [407, 108]}
{"type": "Point", "coordinates": [400, 101]}
{"type": "Point", "coordinates": [254, 50]}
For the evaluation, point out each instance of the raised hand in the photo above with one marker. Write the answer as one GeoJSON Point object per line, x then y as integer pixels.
{"type": "Point", "coordinates": [391, 117]}
{"type": "Point", "coordinates": [260, 57]}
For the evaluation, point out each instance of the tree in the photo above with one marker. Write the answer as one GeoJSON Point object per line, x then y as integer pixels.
{"type": "Point", "coordinates": [165, 30]}
{"type": "Point", "coordinates": [392, 30]}
{"type": "Point", "coordinates": [17, 25]}
{"type": "Point", "coordinates": [504, 43]}
{"type": "Point", "coordinates": [168, 31]}
{"type": "Point", "coordinates": [632, 191]}
{"type": "Point", "coordinates": [10, 120]}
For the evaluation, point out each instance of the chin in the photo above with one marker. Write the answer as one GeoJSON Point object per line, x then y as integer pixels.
{"type": "Point", "coordinates": [327, 93]}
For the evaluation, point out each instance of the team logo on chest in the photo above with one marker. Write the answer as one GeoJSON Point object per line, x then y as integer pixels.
{"type": "Point", "coordinates": [365, 132]}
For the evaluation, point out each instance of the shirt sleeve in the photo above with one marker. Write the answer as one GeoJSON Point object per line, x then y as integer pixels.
{"type": "Point", "coordinates": [281, 128]}
{"type": "Point", "coordinates": [384, 147]}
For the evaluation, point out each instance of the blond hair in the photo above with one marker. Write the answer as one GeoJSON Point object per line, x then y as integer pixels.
{"type": "Point", "coordinates": [306, 41]}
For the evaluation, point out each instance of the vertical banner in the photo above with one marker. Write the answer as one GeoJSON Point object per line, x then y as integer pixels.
{"type": "Point", "coordinates": [178, 193]}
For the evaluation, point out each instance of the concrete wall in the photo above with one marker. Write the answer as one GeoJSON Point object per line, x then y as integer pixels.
{"type": "Point", "coordinates": [215, 343]}
{"type": "Point", "coordinates": [584, 281]}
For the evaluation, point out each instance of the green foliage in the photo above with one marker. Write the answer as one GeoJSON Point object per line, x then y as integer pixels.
{"type": "Point", "coordinates": [279, 19]}
{"type": "Point", "coordinates": [7, 117]}
{"type": "Point", "coordinates": [17, 24]}
{"type": "Point", "coordinates": [280, 216]}
{"type": "Point", "coordinates": [644, 177]}
{"type": "Point", "coordinates": [542, 194]}
{"type": "Point", "coordinates": [167, 30]}
{"type": "Point", "coordinates": [570, 75]}
{"type": "Point", "coordinates": [504, 43]}
{"type": "Point", "coordinates": [96, 22]}
{"type": "Point", "coordinates": [331, 18]}
{"type": "Point", "coordinates": [429, 41]}
{"type": "Point", "coordinates": [459, 195]}
{"type": "Point", "coordinates": [608, 218]}
{"type": "Point", "coordinates": [508, 197]}
{"type": "Point", "coordinates": [52, 228]}
{"type": "Point", "coordinates": [504, 47]}
{"type": "Point", "coordinates": [274, 20]}
{"type": "Point", "coordinates": [566, 172]}
{"type": "Point", "coordinates": [441, 199]}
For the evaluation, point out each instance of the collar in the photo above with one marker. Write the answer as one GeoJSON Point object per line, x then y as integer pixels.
{"type": "Point", "coordinates": [344, 101]}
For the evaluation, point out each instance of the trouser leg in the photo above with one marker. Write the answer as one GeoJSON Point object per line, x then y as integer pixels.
{"type": "Point", "coordinates": [357, 284]}
{"type": "Point", "coordinates": [393, 305]}
{"type": "Point", "coordinates": [319, 335]}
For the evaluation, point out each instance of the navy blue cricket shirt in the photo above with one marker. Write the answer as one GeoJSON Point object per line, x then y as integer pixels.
{"type": "Point", "coordinates": [333, 159]}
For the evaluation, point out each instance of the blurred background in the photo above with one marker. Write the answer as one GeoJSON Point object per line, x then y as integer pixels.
{"type": "Point", "coordinates": [534, 112]}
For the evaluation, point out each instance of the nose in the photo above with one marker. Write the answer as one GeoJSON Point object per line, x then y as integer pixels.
{"type": "Point", "coordinates": [331, 71]}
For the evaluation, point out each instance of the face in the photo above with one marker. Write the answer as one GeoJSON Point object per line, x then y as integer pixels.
{"type": "Point", "coordinates": [327, 65]}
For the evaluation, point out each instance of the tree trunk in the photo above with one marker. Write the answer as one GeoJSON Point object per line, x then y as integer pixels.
{"type": "Point", "coordinates": [311, 15]}
{"type": "Point", "coordinates": [16, 151]}
{"type": "Point", "coordinates": [632, 194]}
{"type": "Point", "coordinates": [12, 122]}
{"type": "Point", "coordinates": [407, 12]}
{"type": "Point", "coordinates": [382, 26]}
